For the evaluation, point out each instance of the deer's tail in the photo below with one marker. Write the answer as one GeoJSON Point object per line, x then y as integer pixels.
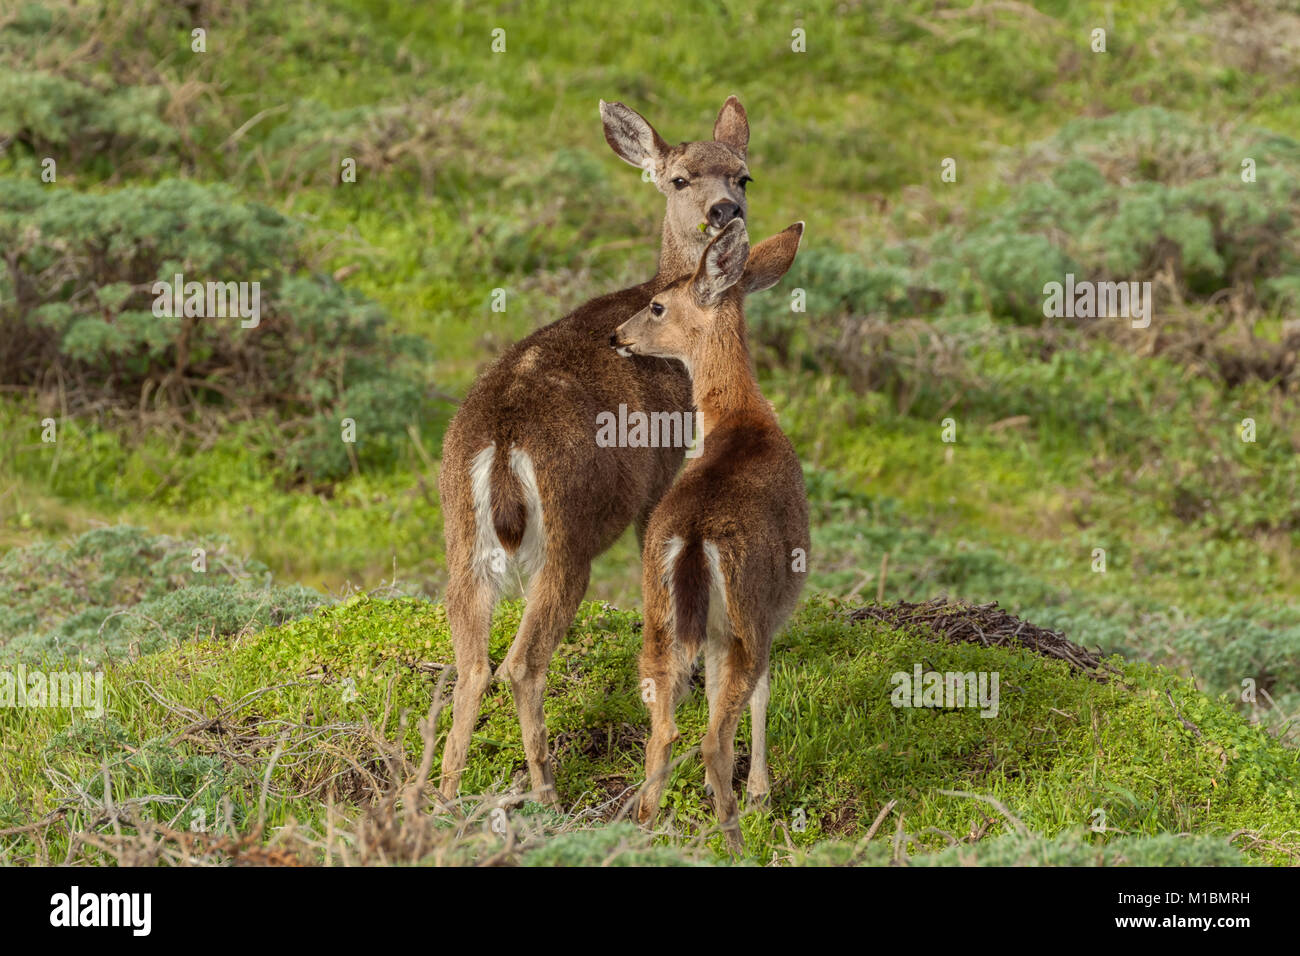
{"type": "Point", "coordinates": [691, 586]}
{"type": "Point", "coordinates": [508, 508]}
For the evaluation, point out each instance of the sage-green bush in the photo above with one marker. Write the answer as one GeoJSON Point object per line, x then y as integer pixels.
{"type": "Point", "coordinates": [120, 592]}
{"type": "Point", "coordinates": [77, 310]}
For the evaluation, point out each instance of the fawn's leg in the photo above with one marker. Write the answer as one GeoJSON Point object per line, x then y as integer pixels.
{"type": "Point", "coordinates": [740, 674]}
{"type": "Point", "coordinates": [554, 594]}
{"type": "Point", "coordinates": [758, 784]}
{"type": "Point", "coordinates": [715, 652]}
{"type": "Point", "coordinates": [665, 678]}
{"type": "Point", "coordinates": [469, 601]}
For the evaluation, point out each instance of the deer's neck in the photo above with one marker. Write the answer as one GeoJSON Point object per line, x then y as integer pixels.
{"type": "Point", "coordinates": [722, 376]}
{"type": "Point", "coordinates": [677, 259]}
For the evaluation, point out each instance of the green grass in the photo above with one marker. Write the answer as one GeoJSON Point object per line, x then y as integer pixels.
{"type": "Point", "coordinates": [1065, 444]}
{"type": "Point", "coordinates": [1060, 748]}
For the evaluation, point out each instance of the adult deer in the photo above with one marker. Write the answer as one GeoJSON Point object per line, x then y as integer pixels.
{"type": "Point", "coordinates": [725, 551]}
{"type": "Point", "coordinates": [523, 481]}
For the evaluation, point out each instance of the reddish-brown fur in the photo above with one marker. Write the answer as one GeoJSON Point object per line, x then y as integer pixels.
{"type": "Point", "coordinates": [541, 399]}
{"type": "Point", "coordinates": [743, 497]}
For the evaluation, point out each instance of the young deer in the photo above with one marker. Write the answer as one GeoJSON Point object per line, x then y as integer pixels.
{"type": "Point", "coordinates": [523, 481]}
{"type": "Point", "coordinates": [724, 553]}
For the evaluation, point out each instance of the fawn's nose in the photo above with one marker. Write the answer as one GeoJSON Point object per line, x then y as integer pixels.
{"type": "Point", "coordinates": [721, 213]}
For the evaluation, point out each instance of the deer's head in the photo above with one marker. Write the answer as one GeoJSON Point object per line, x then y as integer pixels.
{"type": "Point", "coordinates": [704, 182]}
{"type": "Point", "coordinates": [682, 320]}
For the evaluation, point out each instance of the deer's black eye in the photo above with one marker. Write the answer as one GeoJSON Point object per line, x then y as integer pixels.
{"type": "Point", "coordinates": [679, 182]}
{"type": "Point", "coordinates": [656, 309]}
{"type": "Point", "coordinates": [745, 181]}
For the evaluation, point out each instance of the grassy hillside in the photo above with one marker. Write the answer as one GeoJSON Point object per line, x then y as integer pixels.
{"type": "Point", "coordinates": [480, 170]}
{"type": "Point", "coordinates": [295, 726]}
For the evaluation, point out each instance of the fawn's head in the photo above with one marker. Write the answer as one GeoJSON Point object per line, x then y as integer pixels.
{"type": "Point", "coordinates": [704, 182]}
{"type": "Point", "coordinates": [680, 321]}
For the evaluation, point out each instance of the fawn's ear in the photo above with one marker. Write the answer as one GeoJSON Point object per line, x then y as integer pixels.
{"type": "Point", "coordinates": [629, 135]}
{"type": "Point", "coordinates": [732, 126]}
{"type": "Point", "coordinates": [722, 264]}
{"type": "Point", "coordinates": [772, 258]}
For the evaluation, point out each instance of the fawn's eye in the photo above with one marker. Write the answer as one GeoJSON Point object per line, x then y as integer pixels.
{"type": "Point", "coordinates": [656, 309]}
{"type": "Point", "coordinates": [744, 181]}
{"type": "Point", "coordinates": [678, 182]}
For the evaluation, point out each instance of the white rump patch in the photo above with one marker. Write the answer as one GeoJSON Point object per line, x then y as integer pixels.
{"type": "Point", "coordinates": [717, 592]}
{"type": "Point", "coordinates": [487, 562]}
{"type": "Point", "coordinates": [532, 549]}
{"type": "Point", "coordinates": [672, 551]}
{"type": "Point", "coordinates": [718, 627]}
{"type": "Point", "coordinates": [491, 560]}
{"type": "Point", "coordinates": [718, 635]}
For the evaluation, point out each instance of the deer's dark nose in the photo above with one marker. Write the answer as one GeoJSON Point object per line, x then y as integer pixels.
{"type": "Point", "coordinates": [721, 213]}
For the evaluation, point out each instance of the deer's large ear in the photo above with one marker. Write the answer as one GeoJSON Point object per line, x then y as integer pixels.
{"type": "Point", "coordinates": [732, 126]}
{"type": "Point", "coordinates": [772, 258]}
{"type": "Point", "coordinates": [631, 137]}
{"type": "Point", "coordinates": [722, 264]}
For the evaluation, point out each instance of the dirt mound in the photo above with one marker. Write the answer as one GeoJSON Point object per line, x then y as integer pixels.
{"type": "Point", "coordinates": [989, 625]}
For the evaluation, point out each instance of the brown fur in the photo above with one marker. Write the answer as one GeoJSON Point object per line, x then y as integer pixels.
{"type": "Point", "coordinates": [690, 587]}
{"type": "Point", "coordinates": [542, 398]}
{"type": "Point", "coordinates": [743, 496]}
{"type": "Point", "coordinates": [509, 514]}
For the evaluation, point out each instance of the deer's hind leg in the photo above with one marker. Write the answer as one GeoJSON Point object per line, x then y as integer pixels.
{"type": "Point", "coordinates": [716, 651]}
{"type": "Point", "coordinates": [553, 597]}
{"type": "Point", "coordinates": [759, 784]}
{"type": "Point", "coordinates": [742, 664]}
{"type": "Point", "coordinates": [665, 679]}
{"type": "Point", "coordinates": [470, 599]}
